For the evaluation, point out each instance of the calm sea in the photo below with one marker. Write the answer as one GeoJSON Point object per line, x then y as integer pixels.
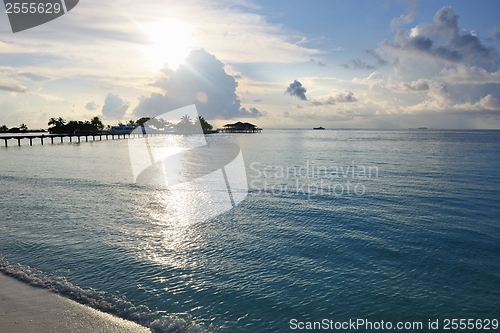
{"type": "Point", "coordinates": [399, 226]}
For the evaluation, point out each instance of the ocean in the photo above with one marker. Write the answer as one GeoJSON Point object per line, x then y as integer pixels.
{"type": "Point", "coordinates": [339, 226]}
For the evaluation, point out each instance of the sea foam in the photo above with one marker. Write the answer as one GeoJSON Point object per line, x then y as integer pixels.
{"type": "Point", "coordinates": [100, 301]}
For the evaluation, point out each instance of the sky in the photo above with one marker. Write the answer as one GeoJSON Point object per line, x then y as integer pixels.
{"type": "Point", "coordinates": [388, 64]}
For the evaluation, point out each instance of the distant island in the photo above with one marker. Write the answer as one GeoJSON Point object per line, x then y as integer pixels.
{"type": "Point", "coordinates": [148, 124]}
{"type": "Point", "coordinates": [96, 126]}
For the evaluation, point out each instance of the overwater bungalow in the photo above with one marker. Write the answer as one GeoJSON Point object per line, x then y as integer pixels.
{"type": "Point", "coordinates": [240, 127]}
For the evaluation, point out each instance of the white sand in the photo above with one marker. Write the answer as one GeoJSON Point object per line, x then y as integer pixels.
{"type": "Point", "coordinates": [25, 309]}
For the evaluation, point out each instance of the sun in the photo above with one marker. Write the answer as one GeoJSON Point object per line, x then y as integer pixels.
{"type": "Point", "coordinates": [170, 42]}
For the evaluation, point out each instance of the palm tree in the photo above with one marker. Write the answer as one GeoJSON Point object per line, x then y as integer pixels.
{"type": "Point", "coordinates": [56, 122]}
{"type": "Point", "coordinates": [60, 122]}
{"type": "Point", "coordinates": [185, 124]}
{"type": "Point", "coordinates": [23, 127]}
{"type": "Point", "coordinates": [204, 124]}
{"type": "Point", "coordinates": [97, 123]}
{"type": "Point", "coordinates": [185, 119]}
{"type": "Point", "coordinates": [52, 121]}
{"type": "Point", "coordinates": [4, 128]}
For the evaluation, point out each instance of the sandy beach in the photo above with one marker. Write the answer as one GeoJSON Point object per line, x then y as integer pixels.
{"type": "Point", "coordinates": [26, 309]}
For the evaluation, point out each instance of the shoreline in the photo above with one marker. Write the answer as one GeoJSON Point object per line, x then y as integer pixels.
{"type": "Point", "coordinates": [25, 309]}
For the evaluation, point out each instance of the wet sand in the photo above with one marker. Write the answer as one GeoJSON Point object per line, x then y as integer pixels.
{"type": "Point", "coordinates": [26, 309]}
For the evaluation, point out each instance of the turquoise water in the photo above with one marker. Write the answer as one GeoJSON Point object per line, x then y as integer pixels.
{"type": "Point", "coordinates": [400, 226]}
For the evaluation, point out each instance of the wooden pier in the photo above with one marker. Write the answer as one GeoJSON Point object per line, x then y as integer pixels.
{"type": "Point", "coordinates": [71, 137]}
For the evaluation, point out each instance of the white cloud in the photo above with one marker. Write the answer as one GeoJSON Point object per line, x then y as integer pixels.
{"type": "Point", "coordinates": [489, 103]}
{"type": "Point", "coordinates": [406, 18]}
{"type": "Point", "coordinates": [468, 75]}
{"type": "Point", "coordinates": [201, 80]}
{"type": "Point", "coordinates": [444, 40]}
{"type": "Point", "coordinates": [414, 86]}
{"type": "Point", "coordinates": [114, 107]}
{"type": "Point", "coordinates": [34, 77]}
{"type": "Point", "coordinates": [373, 78]}
{"type": "Point", "coordinates": [91, 106]}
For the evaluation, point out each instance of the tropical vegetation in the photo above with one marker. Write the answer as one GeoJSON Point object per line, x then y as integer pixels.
{"type": "Point", "coordinates": [186, 124]}
{"type": "Point", "coordinates": [59, 125]}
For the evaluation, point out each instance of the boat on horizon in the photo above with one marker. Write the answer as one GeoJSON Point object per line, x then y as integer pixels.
{"type": "Point", "coordinates": [318, 128]}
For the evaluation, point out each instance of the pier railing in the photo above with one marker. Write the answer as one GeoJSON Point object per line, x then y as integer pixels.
{"type": "Point", "coordinates": [71, 137]}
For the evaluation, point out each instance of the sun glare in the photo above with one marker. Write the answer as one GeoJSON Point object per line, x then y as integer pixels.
{"type": "Point", "coordinates": [170, 42]}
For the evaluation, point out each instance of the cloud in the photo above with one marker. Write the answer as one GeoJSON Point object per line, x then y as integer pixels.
{"type": "Point", "coordinates": [253, 112]}
{"type": "Point", "coordinates": [114, 106]}
{"type": "Point", "coordinates": [469, 75]}
{"type": "Point", "coordinates": [415, 86]}
{"type": "Point", "coordinates": [373, 78]}
{"type": "Point", "coordinates": [258, 100]}
{"type": "Point", "coordinates": [34, 77]}
{"type": "Point", "coordinates": [378, 58]}
{"type": "Point", "coordinates": [296, 89]}
{"type": "Point", "coordinates": [91, 106]}
{"type": "Point", "coordinates": [357, 64]}
{"type": "Point", "coordinates": [495, 33]}
{"type": "Point", "coordinates": [329, 101]}
{"type": "Point", "coordinates": [346, 97]}
{"type": "Point", "coordinates": [439, 93]}
{"type": "Point", "coordinates": [489, 103]}
{"type": "Point", "coordinates": [443, 40]}
{"type": "Point", "coordinates": [360, 64]}
{"type": "Point", "coordinates": [17, 88]}
{"type": "Point", "coordinates": [340, 97]}
{"type": "Point", "coordinates": [201, 80]}
{"type": "Point", "coordinates": [317, 62]}
{"type": "Point", "coordinates": [408, 18]}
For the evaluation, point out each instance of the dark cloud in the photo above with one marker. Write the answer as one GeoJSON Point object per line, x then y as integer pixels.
{"type": "Point", "coordinates": [257, 100]}
{"type": "Point", "coordinates": [419, 85]}
{"type": "Point", "coordinates": [317, 62]}
{"type": "Point", "coordinates": [443, 40]}
{"type": "Point", "coordinates": [360, 64]}
{"type": "Point", "coordinates": [201, 80]}
{"type": "Point", "coordinates": [329, 101]}
{"type": "Point", "coordinates": [114, 106]}
{"type": "Point", "coordinates": [346, 97]}
{"type": "Point", "coordinates": [34, 77]}
{"type": "Point", "coordinates": [341, 97]}
{"type": "Point", "coordinates": [91, 106]}
{"type": "Point", "coordinates": [378, 58]}
{"type": "Point", "coordinates": [252, 112]}
{"type": "Point", "coordinates": [17, 89]}
{"type": "Point", "coordinates": [357, 64]}
{"type": "Point", "coordinates": [296, 89]}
